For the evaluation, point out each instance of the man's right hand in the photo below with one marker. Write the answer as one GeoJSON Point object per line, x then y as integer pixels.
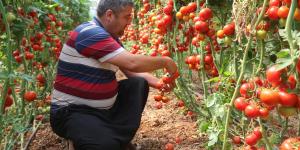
{"type": "Point", "coordinates": [171, 66]}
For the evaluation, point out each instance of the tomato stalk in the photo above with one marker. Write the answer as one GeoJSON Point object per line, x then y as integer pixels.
{"type": "Point", "coordinates": [286, 121]}
{"type": "Point", "coordinates": [9, 58]}
{"type": "Point", "coordinates": [288, 29]}
{"type": "Point", "coordinates": [264, 135]}
{"type": "Point", "coordinates": [262, 54]}
{"type": "Point", "coordinates": [236, 70]}
{"type": "Point", "coordinates": [213, 52]}
{"type": "Point", "coordinates": [241, 75]}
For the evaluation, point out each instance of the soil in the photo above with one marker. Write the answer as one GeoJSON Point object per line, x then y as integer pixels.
{"type": "Point", "coordinates": [158, 127]}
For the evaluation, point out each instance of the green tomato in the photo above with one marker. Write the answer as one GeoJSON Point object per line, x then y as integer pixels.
{"type": "Point", "coordinates": [227, 41]}
{"type": "Point", "coordinates": [261, 34]}
{"type": "Point", "coordinates": [10, 17]}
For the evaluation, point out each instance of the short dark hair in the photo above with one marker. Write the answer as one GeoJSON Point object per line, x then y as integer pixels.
{"type": "Point", "coordinates": [114, 5]}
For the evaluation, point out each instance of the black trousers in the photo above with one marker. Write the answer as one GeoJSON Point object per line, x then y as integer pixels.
{"type": "Point", "coordinates": [112, 129]}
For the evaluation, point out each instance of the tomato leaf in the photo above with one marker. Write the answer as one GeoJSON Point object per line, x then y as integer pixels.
{"type": "Point", "coordinates": [283, 53]}
{"type": "Point", "coordinates": [213, 136]}
{"type": "Point", "coordinates": [283, 63]}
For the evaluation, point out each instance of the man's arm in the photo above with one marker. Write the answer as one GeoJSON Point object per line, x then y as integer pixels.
{"type": "Point", "coordinates": [141, 63]}
{"type": "Point", "coordinates": [152, 80]}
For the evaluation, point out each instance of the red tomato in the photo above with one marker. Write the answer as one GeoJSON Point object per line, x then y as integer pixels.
{"type": "Point", "coordinates": [283, 12]}
{"type": "Point", "coordinates": [290, 144]}
{"type": "Point", "coordinates": [229, 29]}
{"type": "Point", "coordinates": [157, 97]}
{"type": "Point", "coordinates": [8, 101]}
{"type": "Point", "coordinates": [168, 9]}
{"type": "Point", "coordinates": [240, 103]}
{"type": "Point", "coordinates": [252, 111]}
{"type": "Point", "coordinates": [269, 97]}
{"type": "Point", "coordinates": [201, 26]}
{"type": "Point", "coordinates": [30, 96]}
{"type": "Point", "coordinates": [169, 146]}
{"type": "Point", "coordinates": [180, 103]}
{"type": "Point", "coordinates": [288, 99]}
{"type": "Point", "coordinates": [272, 12]}
{"type": "Point", "coordinates": [251, 139]}
{"type": "Point", "coordinates": [178, 140]}
{"type": "Point", "coordinates": [274, 75]}
{"type": "Point", "coordinates": [208, 59]}
{"type": "Point", "coordinates": [236, 140]}
{"type": "Point", "coordinates": [246, 90]}
{"type": "Point", "coordinates": [192, 6]}
{"type": "Point", "coordinates": [158, 105]}
{"type": "Point", "coordinates": [257, 132]}
{"type": "Point", "coordinates": [264, 112]}
{"type": "Point", "coordinates": [292, 82]}
{"type": "Point", "coordinates": [205, 14]}
{"type": "Point", "coordinates": [274, 3]}
{"type": "Point", "coordinates": [288, 2]}
{"type": "Point", "coordinates": [191, 60]}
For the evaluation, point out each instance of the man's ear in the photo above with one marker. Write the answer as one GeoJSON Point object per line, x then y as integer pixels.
{"type": "Point", "coordinates": [109, 15]}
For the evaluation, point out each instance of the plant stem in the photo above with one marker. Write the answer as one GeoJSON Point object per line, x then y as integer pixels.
{"type": "Point", "coordinates": [262, 54]}
{"type": "Point", "coordinates": [264, 135]}
{"type": "Point", "coordinates": [9, 57]}
{"type": "Point", "coordinates": [241, 76]}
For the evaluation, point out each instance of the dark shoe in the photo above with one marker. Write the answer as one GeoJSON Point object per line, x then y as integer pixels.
{"type": "Point", "coordinates": [131, 146]}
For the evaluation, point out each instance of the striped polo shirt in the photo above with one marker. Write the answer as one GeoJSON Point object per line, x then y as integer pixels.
{"type": "Point", "coordinates": [83, 77]}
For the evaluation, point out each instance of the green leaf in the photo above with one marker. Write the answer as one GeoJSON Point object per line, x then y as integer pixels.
{"type": "Point", "coordinates": [3, 75]}
{"type": "Point", "coordinates": [283, 63]}
{"type": "Point", "coordinates": [212, 99]}
{"type": "Point", "coordinates": [283, 53]}
{"type": "Point", "coordinates": [213, 137]}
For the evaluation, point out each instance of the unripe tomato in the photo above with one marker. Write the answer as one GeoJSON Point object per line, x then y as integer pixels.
{"type": "Point", "coordinates": [261, 34]}
{"type": "Point", "coordinates": [287, 111]}
{"type": "Point", "coordinates": [220, 34]}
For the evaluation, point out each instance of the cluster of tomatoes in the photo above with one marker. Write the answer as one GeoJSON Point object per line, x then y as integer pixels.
{"type": "Point", "coordinates": [251, 139]}
{"type": "Point", "coordinates": [258, 97]}
{"type": "Point", "coordinates": [165, 81]}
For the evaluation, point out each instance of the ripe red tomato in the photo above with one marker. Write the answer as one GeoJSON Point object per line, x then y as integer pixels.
{"type": "Point", "coordinates": [257, 132]}
{"type": "Point", "coordinates": [184, 10]}
{"type": "Point", "coordinates": [168, 9]}
{"type": "Point", "coordinates": [269, 97]}
{"type": "Point", "coordinates": [205, 14]}
{"type": "Point", "coordinates": [8, 101]}
{"type": "Point", "coordinates": [290, 144]}
{"type": "Point", "coordinates": [158, 97]}
{"type": "Point", "coordinates": [191, 60]}
{"type": "Point", "coordinates": [201, 26]}
{"type": "Point", "coordinates": [169, 146]}
{"type": "Point", "coordinates": [229, 29]}
{"type": "Point", "coordinates": [180, 103]}
{"type": "Point", "coordinates": [288, 2]}
{"type": "Point", "coordinates": [192, 6]}
{"type": "Point", "coordinates": [158, 105]}
{"type": "Point", "coordinates": [288, 99]}
{"type": "Point", "coordinates": [39, 117]}
{"type": "Point", "coordinates": [246, 90]}
{"type": "Point", "coordinates": [208, 59]}
{"type": "Point", "coordinates": [236, 140]}
{"type": "Point", "coordinates": [264, 112]}
{"type": "Point", "coordinates": [283, 12]}
{"type": "Point", "coordinates": [274, 3]}
{"type": "Point", "coordinates": [30, 96]}
{"type": "Point", "coordinates": [240, 103]}
{"type": "Point", "coordinates": [252, 111]}
{"type": "Point", "coordinates": [274, 75]}
{"type": "Point", "coordinates": [272, 12]}
{"type": "Point", "coordinates": [177, 140]}
{"type": "Point", "coordinates": [251, 139]}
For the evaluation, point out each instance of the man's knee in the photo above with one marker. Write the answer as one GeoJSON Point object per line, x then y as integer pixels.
{"type": "Point", "coordinates": [140, 82]}
{"type": "Point", "coordinates": [100, 144]}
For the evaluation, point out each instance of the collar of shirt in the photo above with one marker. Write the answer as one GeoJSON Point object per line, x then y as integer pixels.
{"type": "Point", "coordinates": [96, 20]}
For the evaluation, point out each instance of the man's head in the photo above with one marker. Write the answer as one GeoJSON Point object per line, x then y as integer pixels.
{"type": "Point", "coordinates": [115, 15]}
